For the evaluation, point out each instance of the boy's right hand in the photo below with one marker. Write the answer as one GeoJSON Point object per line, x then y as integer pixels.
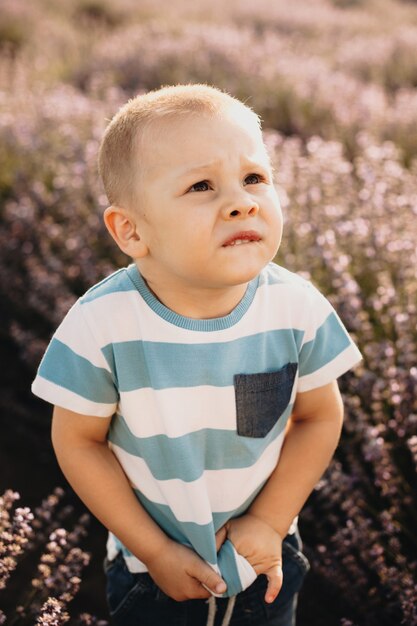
{"type": "Point", "coordinates": [80, 442]}
{"type": "Point", "coordinates": [181, 573]}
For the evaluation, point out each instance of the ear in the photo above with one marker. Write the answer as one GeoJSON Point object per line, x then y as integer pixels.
{"type": "Point", "coordinates": [122, 226]}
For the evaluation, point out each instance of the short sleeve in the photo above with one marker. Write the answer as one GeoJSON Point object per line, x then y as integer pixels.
{"type": "Point", "coordinates": [327, 351]}
{"type": "Point", "coordinates": [74, 373]}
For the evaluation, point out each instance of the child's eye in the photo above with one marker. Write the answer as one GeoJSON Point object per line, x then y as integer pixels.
{"type": "Point", "coordinates": [202, 185]}
{"type": "Point", "coordinates": [253, 179]}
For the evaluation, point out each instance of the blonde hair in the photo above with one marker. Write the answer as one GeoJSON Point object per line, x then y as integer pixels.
{"type": "Point", "coordinates": [119, 158]}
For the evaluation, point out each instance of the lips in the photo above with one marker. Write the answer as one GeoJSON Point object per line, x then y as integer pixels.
{"type": "Point", "coordinates": [246, 236]}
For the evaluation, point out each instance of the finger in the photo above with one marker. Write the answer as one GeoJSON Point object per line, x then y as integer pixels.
{"type": "Point", "coordinates": [220, 537]}
{"type": "Point", "coordinates": [198, 592]}
{"type": "Point", "coordinates": [274, 576]}
{"type": "Point", "coordinates": [208, 577]}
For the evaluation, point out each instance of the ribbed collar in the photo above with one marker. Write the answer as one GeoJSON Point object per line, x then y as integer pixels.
{"type": "Point", "coordinates": [203, 325]}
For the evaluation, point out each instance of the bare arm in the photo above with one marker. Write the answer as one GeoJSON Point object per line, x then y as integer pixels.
{"type": "Point", "coordinates": [311, 439]}
{"type": "Point", "coordinates": [96, 476]}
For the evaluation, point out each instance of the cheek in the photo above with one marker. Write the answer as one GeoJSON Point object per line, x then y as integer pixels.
{"type": "Point", "coordinates": [188, 235]}
{"type": "Point", "coordinates": [275, 227]}
{"type": "Point", "coordinates": [279, 223]}
{"type": "Point", "coordinates": [278, 217]}
{"type": "Point", "coordinates": [197, 231]}
{"type": "Point", "coordinates": [275, 218]}
{"type": "Point", "coordinates": [186, 244]}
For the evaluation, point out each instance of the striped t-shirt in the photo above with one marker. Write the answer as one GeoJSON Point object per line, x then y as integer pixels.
{"type": "Point", "coordinates": [199, 405]}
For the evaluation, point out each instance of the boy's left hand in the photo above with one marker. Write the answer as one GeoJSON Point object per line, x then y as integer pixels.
{"type": "Point", "coordinates": [260, 544]}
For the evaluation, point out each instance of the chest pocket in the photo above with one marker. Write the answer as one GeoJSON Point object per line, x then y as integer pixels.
{"type": "Point", "coordinates": [261, 399]}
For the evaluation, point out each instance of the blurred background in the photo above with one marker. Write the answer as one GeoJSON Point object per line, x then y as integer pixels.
{"type": "Point", "coordinates": [335, 82]}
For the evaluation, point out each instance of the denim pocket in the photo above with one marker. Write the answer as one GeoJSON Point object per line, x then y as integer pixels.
{"type": "Point", "coordinates": [295, 566]}
{"type": "Point", "coordinates": [124, 587]}
{"type": "Point", "coordinates": [261, 399]}
{"type": "Point", "coordinates": [292, 552]}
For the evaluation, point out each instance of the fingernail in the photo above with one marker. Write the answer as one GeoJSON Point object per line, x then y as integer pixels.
{"type": "Point", "coordinates": [220, 587]}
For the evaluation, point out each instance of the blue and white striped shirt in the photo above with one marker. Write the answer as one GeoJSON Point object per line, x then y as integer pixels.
{"type": "Point", "coordinates": [171, 384]}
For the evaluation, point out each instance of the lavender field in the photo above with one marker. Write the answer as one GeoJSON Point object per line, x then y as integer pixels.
{"type": "Point", "coordinates": [335, 82]}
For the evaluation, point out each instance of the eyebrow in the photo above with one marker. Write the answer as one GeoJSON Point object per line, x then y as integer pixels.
{"type": "Point", "coordinates": [197, 169]}
{"type": "Point", "coordinates": [248, 163]}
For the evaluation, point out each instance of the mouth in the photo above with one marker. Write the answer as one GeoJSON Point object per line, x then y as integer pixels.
{"type": "Point", "coordinates": [238, 239]}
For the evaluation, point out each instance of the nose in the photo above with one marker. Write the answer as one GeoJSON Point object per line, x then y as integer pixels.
{"type": "Point", "coordinates": [240, 207]}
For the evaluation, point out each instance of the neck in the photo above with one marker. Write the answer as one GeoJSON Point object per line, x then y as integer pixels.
{"type": "Point", "coordinates": [197, 303]}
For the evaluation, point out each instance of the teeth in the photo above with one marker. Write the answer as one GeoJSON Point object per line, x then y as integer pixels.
{"type": "Point", "coordinates": [237, 242]}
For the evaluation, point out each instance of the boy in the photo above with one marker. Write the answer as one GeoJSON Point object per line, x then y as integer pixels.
{"type": "Point", "coordinates": [177, 380]}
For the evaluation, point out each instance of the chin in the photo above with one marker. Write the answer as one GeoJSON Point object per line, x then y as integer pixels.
{"type": "Point", "coordinates": [244, 276]}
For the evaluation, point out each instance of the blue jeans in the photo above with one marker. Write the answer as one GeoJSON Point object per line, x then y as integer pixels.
{"type": "Point", "coordinates": [135, 600]}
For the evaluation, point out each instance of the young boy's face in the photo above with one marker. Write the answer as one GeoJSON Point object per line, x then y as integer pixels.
{"type": "Point", "coordinates": [208, 212]}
